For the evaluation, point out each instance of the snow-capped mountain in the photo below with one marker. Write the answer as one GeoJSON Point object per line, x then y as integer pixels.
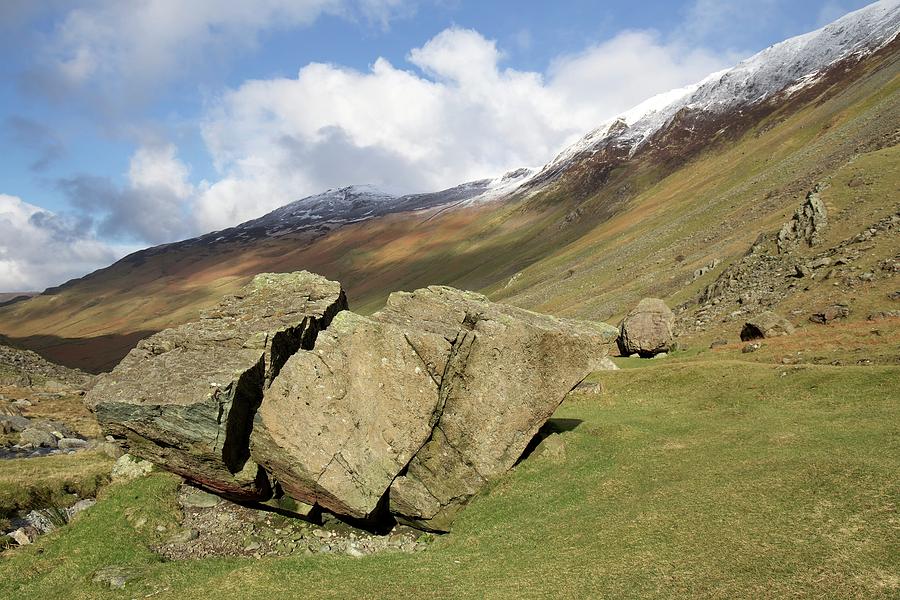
{"type": "Point", "coordinates": [786, 67]}
{"type": "Point", "coordinates": [354, 203]}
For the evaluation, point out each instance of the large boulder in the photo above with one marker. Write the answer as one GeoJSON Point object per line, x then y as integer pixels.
{"type": "Point", "coordinates": [504, 374]}
{"type": "Point", "coordinates": [766, 325]}
{"type": "Point", "coordinates": [185, 398]}
{"type": "Point", "coordinates": [648, 329]}
{"type": "Point", "coordinates": [414, 409]}
{"type": "Point", "coordinates": [341, 421]}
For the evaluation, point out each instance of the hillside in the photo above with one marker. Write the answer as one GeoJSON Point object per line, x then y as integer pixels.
{"type": "Point", "coordinates": [634, 209]}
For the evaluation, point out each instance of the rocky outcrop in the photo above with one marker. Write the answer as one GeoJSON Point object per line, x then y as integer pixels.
{"type": "Point", "coordinates": [648, 329]}
{"type": "Point", "coordinates": [185, 398]}
{"type": "Point", "coordinates": [806, 226]}
{"type": "Point", "coordinates": [766, 325]}
{"type": "Point", "coordinates": [409, 412]}
{"type": "Point", "coordinates": [832, 313]}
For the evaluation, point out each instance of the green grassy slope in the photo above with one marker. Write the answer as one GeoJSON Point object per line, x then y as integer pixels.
{"type": "Point", "coordinates": [705, 479]}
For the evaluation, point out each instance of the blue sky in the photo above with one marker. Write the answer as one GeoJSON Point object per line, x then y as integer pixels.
{"type": "Point", "coordinates": [127, 123]}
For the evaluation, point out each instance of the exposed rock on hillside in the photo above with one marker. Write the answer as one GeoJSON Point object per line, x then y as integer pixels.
{"type": "Point", "coordinates": [24, 368]}
{"type": "Point", "coordinates": [807, 226]}
{"type": "Point", "coordinates": [766, 325]}
{"type": "Point", "coordinates": [185, 398]}
{"type": "Point", "coordinates": [648, 329]}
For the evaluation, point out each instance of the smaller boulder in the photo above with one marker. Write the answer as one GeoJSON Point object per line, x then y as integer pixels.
{"type": "Point", "coordinates": [766, 325]}
{"type": "Point", "coordinates": [128, 467]}
{"type": "Point", "coordinates": [37, 438]}
{"type": "Point", "coordinates": [11, 423]}
{"type": "Point", "coordinates": [718, 344]}
{"type": "Point", "coordinates": [834, 312]}
{"type": "Point", "coordinates": [648, 329]}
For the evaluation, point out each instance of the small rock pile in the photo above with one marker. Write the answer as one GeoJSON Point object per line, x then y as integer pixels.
{"type": "Point", "coordinates": [214, 527]}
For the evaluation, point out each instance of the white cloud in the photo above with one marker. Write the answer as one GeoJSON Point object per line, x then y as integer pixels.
{"type": "Point", "coordinates": [118, 52]}
{"type": "Point", "coordinates": [462, 116]}
{"type": "Point", "coordinates": [39, 248]}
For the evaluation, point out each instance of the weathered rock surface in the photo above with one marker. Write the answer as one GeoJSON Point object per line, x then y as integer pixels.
{"type": "Point", "coordinates": [766, 325]}
{"type": "Point", "coordinates": [648, 329]}
{"type": "Point", "coordinates": [185, 398]}
{"type": "Point", "coordinates": [507, 371]}
{"type": "Point", "coordinates": [341, 421]}
{"type": "Point", "coordinates": [430, 399]}
{"type": "Point", "coordinates": [806, 226]}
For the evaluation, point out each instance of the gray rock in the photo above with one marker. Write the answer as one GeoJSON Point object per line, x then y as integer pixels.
{"type": "Point", "coordinates": [341, 421]}
{"type": "Point", "coordinates": [507, 371]}
{"type": "Point", "coordinates": [194, 498]}
{"type": "Point", "coordinates": [114, 577]}
{"type": "Point", "coordinates": [832, 313]}
{"type": "Point", "coordinates": [750, 348]}
{"type": "Point", "coordinates": [766, 325]}
{"type": "Point", "coordinates": [128, 467]}
{"type": "Point", "coordinates": [647, 329]}
{"type": "Point", "coordinates": [72, 444]}
{"type": "Point", "coordinates": [37, 438]}
{"type": "Point", "coordinates": [14, 424]}
{"type": "Point", "coordinates": [79, 507]}
{"type": "Point", "coordinates": [718, 344]}
{"type": "Point", "coordinates": [185, 398]}
{"type": "Point", "coordinates": [807, 225]}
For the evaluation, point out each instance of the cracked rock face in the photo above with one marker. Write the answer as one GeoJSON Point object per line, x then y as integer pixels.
{"type": "Point", "coordinates": [766, 325]}
{"type": "Point", "coordinates": [342, 420]}
{"type": "Point", "coordinates": [185, 398]}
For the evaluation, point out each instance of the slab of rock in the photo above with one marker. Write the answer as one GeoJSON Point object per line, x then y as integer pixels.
{"type": "Point", "coordinates": [507, 371]}
{"type": "Point", "coordinates": [648, 329]}
{"type": "Point", "coordinates": [766, 325]}
{"type": "Point", "coordinates": [185, 397]}
{"type": "Point", "coordinates": [341, 421]}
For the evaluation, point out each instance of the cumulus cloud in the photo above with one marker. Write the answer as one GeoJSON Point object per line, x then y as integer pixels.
{"type": "Point", "coordinates": [39, 248]}
{"type": "Point", "coordinates": [457, 115]}
{"type": "Point", "coordinates": [152, 207]}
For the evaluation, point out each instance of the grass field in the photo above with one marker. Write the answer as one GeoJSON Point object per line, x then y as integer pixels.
{"type": "Point", "coordinates": [703, 478]}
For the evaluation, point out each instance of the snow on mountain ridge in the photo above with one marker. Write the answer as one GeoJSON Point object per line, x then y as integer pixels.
{"type": "Point", "coordinates": [786, 66]}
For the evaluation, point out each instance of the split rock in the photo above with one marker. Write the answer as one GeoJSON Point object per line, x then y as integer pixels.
{"type": "Point", "coordinates": [185, 397]}
{"type": "Point", "coordinates": [507, 371]}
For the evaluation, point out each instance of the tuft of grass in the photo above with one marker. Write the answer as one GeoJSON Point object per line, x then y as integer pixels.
{"type": "Point", "coordinates": [59, 480]}
{"type": "Point", "coordinates": [706, 479]}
